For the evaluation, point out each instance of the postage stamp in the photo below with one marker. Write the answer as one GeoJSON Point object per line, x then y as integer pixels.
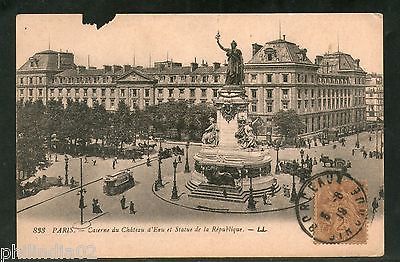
{"type": "Point", "coordinates": [339, 203]}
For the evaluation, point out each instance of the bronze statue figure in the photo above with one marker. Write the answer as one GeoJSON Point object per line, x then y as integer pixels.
{"type": "Point", "coordinates": [210, 135]}
{"type": "Point", "coordinates": [235, 70]}
{"type": "Point", "coordinates": [245, 135]}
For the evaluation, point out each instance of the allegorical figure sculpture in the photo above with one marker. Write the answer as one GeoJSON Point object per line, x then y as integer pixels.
{"type": "Point", "coordinates": [210, 135]}
{"type": "Point", "coordinates": [245, 135]}
{"type": "Point", "coordinates": [235, 70]}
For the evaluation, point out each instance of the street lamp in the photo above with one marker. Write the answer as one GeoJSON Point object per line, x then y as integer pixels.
{"type": "Point", "coordinates": [174, 195]}
{"type": "Point", "coordinates": [187, 169]}
{"type": "Point", "coordinates": [66, 170]}
{"type": "Point", "coordinates": [251, 204]}
{"type": "Point", "coordinates": [294, 194]}
{"type": "Point", "coordinates": [277, 146]}
{"type": "Point", "coordinates": [81, 193]}
{"type": "Point", "coordinates": [357, 141]}
{"type": "Point", "coordinates": [159, 182]}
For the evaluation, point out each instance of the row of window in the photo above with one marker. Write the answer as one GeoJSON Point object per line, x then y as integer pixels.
{"type": "Point", "coordinates": [213, 78]}
{"type": "Point", "coordinates": [193, 78]}
{"type": "Point", "coordinates": [303, 78]}
{"type": "Point", "coordinates": [31, 80]}
{"type": "Point", "coordinates": [329, 120]}
{"type": "Point", "coordinates": [81, 79]}
{"type": "Point", "coordinates": [328, 92]}
{"type": "Point", "coordinates": [122, 92]}
{"type": "Point", "coordinates": [192, 92]}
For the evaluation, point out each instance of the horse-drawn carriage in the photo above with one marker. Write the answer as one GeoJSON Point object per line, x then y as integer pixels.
{"type": "Point", "coordinates": [336, 162]}
{"type": "Point", "coordinates": [146, 146]}
{"type": "Point", "coordinates": [169, 152]}
{"type": "Point", "coordinates": [118, 183]}
{"type": "Point", "coordinates": [293, 168]}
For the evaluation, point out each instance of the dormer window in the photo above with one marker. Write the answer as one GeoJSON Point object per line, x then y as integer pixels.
{"type": "Point", "coordinates": [33, 62]}
{"type": "Point", "coordinates": [269, 54]}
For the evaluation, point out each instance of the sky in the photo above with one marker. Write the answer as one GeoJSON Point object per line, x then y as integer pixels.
{"type": "Point", "coordinates": [149, 38]}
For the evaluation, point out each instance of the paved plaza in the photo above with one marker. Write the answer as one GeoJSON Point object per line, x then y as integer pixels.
{"type": "Point", "coordinates": [62, 203]}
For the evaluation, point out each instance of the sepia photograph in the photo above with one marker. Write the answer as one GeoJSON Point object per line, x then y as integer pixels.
{"type": "Point", "coordinates": [200, 135]}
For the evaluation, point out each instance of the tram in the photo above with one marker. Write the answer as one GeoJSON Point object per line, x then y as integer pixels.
{"type": "Point", "coordinates": [118, 183]}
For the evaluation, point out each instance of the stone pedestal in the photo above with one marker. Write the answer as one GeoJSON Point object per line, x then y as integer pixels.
{"type": "Point", "coordinates": [220, 169]}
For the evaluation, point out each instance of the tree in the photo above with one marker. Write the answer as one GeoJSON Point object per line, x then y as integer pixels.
{"type": "Point", "coordinates": [76, 124]}
{"type": "Point", "coordinates": [100, 122]}
{"type": "Point", "coordinates": [30, 147]}
{"type": "Point", "coordinates": [197, 120]}
{"type": "Point", "coordinates": [288, 123]}
{"type": "Point", "coordinates": [52, 118]}
{"type": "Point", "coordinates": [122, 126]}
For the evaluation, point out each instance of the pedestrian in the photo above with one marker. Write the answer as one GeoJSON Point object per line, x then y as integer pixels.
{"type": "Point", "coordinates": [59, 181]}
{"type": "Point", "coordinates": [268, 201]}
{"type": "Point", "coordinates": [116, 160]}
{"type": "Point", "coordinates": [94, 206]}
{"type": "Point", "coordinates": [86, 159]}
{"type": "Point", "coordinates": [179, 159]}
{"type": "Point", "coordinates": [94, 161]}
{"type": "Point", "coordinates": [370, 138]}
{"type": "Point", "coordinates": [352, 152]}
{"type": "Point", "coordinates": [286, 191]}
{"type": "Point", "coordinates": [113, 164]}
{"type": "Point", "coordinates": [375, 205]}
{"type": "Point", "coordinates": [131, 208]}
{"type": "Point", "coordinates": [72, 182]}
{"type": "Point", "coordinates": [97, 206]}
{"type": "Point", "coordinates": [133, 159]}
{"type": "Point", "coordinates": [264, 198]}
{"type": "Point", "coordinates": [148, 162]}
{"type": "Point", "coordinates": [381, 194]}
{"type": "Point", "coordinates": [123, 200]}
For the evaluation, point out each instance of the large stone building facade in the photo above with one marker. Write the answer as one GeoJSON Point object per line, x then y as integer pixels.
{"type": "Point", "coordinates": [328, 94]}
{"type": "Point", "coordinates": [374, 99]}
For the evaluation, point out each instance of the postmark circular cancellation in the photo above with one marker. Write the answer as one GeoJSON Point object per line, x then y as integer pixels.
{"type": "Point", "coordinates": [332, 208]}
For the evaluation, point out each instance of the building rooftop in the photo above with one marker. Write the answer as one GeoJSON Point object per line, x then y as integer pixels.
{"type": "Point", "coordinates": [49, 60]}
{"type": "Point", "coordinates": [278, 51]}
{"type": "Point", "coordinates": [339, 61]}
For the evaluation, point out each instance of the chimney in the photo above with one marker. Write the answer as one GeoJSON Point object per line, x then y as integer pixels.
{"type": "Point", "coordinates": [256, 47]}
{"type": "Point", "coordinates": [357, 62]}
{"type": "Point", "coordinates": [284, 37]}
{"type": "Point", "coordinates": [107, 68]}
{"type": "Point", "coordinates": [303, 53]}
{"type": "Point", "coordinates": [116, 68]}
{"type": "Point", "coordinates": [216, 65]}
{"type": "Point", "coordinates": [193, 65]}
{"type": "Point", "coordinates": [318, 59]}
{"type": "Point", "coordinates": [127, 68]}
{"type": "Point", "coordinates": [81, 69]}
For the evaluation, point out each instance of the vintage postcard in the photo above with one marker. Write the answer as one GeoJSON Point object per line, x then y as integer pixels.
{"type": "Point", "coordinates": [201, 135]}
